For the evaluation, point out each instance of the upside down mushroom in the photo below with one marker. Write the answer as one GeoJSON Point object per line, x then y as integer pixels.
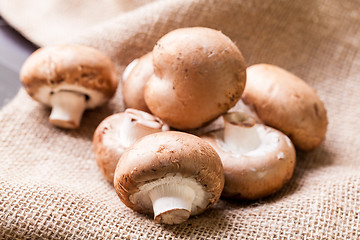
{"type": "Point", "coordinates": [172, 175]}
{"type": "Point", "coordinates": [285, 102]}
{"type": "Point", "coordinates": [70, 79]}
{"type": "Point", "coordinates": [118, 132]}
{"type": "Point", "coordinates": [258, 160]}
{"type": "Point", "coordinates": [199, 74]}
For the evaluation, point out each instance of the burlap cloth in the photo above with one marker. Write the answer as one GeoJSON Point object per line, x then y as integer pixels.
{"type": "Point", "coordinates": [50, 186]}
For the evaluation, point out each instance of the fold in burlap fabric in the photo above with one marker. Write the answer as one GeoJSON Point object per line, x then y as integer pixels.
{"type": "Point", "coordinates": [50, 186]}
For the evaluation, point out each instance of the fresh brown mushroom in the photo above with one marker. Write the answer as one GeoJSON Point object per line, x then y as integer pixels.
{"type": "Point", "coordinates": [199, 74]}
{"type": "Point", "coordinates": [70, 79]}
{"type": "Point", "coordinates": [135, 77]}
{"type": "Point", "coordinates": [287, 103]}
{"type": "Point", "coordinates": [258, 160]}
{"type": "Point", "coordinates": [118, 132]}
{"type": "Point", "coordinates": [172, 175]}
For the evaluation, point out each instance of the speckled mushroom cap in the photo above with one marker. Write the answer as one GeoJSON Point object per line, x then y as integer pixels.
{"type": "Point", "coordinates": [74, 68]}
{"type": "Point", "coordinates": [286, 103]}
{"type": "Point", "coordinates": [199, 73]}
{"type": "Point", "coordinates": [259, 171]}
{"type": "Point", "coordinates": [135, 78]}
{"type": "Point", "coordinates": [117, 132]}
{"type": "Point", "coordinates": [169, 155]}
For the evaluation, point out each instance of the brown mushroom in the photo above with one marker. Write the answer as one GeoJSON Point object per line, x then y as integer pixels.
{"type": "Point", "coordinates": [135, 77]}
{"type": "Point", "coordinates": [199, 73]}
{"type": "Point", "coordinates": [258, 160]}
{"type": "Point", "coordinates": [70, 79]}
{"type": "Point", "coordinates": [287, 103]}
{"type": "Point", "coordinates": [169, 174]}
{"type": "Point", "coordinates": [118, 132]}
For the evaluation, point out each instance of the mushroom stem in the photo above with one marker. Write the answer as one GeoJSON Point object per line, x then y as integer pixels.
{"type": "Point", "coordinates": [67, 109]}
{"type": "Point", "coordinates": [136, 125]}
{"type": "Point", "coordinates": [240, 133]}
{"type": "Point", "coordinates": [172, 203]}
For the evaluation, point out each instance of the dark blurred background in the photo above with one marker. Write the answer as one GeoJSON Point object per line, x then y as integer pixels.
{"type": "Point", "coordinates": [14, 49]}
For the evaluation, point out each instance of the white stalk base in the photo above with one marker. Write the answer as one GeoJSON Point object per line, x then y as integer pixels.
{"type": "Point", "coordinates": [240, 134]}
{"type": "Point", "coordinates": [172, 203]}
{"type": "Point", "coordinates": [67, 109]}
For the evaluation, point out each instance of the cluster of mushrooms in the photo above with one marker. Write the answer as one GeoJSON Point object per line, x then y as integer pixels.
{"type": "Point", "coordinates": [192, 77]}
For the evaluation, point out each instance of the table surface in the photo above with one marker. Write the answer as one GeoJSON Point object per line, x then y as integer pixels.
{"type": "Point", "coordinates": [14, 49]}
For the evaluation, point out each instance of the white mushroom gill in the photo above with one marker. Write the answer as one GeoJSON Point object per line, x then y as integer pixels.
{"type": "Point", "coordinates": [68, 103]}
{"type": "Point", "coordinates": [270, 141]}
{"type": "Point", "coordinates": [46, 93]}
{"type": "Point", "coordinates": [137, 124]}
{"type": "Point", "coordinates": [67, 108]}
{"type": "Point", "coordinates": [242, 136]}
{"type": "Point", "coordinates": [173, 198]}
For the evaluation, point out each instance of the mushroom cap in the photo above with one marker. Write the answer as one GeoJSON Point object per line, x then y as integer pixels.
{"type": "Point", "coordinates": [287, 103]}
{"type": "Point", "coordinates": [199, 74]}
{"type": "Point", "coordinates": [257, 173]}
{"type": "Point", "coordinates": [107, 144]}
{"type": "Point", "coordinates": [164, 154]}
{"type": "Point", "coordinates": [72, 68]}
{"type": "Point", "coordinates": [107, 148]}
{"type": "Point", "coordinates": [134, 83]}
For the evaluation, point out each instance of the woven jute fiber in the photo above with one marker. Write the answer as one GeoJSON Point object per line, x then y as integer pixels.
{"type": "Point", "coordinates": [50, 186]}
